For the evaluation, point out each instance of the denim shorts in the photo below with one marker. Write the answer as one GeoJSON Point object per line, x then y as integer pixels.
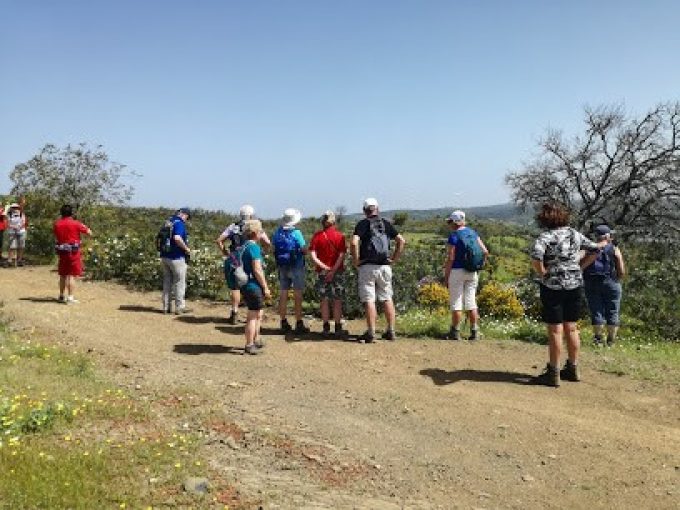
{"type": "Point", "coordinates": [292, 278]}
{"type": "Point", "coordinates": [604, 300]}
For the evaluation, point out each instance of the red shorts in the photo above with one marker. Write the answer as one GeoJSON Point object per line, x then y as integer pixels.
{"type": "Point", "coordinates": [70, 264]}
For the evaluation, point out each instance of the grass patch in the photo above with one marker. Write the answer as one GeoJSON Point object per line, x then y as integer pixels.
{"type": "Point", "coordinates": [68, 439]}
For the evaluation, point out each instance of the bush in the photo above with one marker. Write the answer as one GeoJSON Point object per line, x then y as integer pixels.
{"type": "Point", "coordinates": [433, 295]}
{"type": "Point", "coordinates": [500, 302]}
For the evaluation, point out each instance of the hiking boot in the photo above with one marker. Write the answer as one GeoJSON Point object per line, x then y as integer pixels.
{"type": "Point", "coordinates": [366, 338]}
{"type": "Point", "coordinates": [61, 299]}
{"type": "Point", "coordinates": [570, 372]}
{"type": "Point", "coordinates": [549, 377]}
{"type": "Point", "coordinates": [473, 335]}
{"type": "Point", "coordinates": [285, 326]}
{"type": "Point", "coordinates": [339, 331]}
{"type": "Point", "coordinates": [232, 318]}
{"type": "Point", "coordinates": [453, 334]}
{"type": "Point", "coordinates": [597, 340]}
{"type": "Point", "coordinates": [389, 335]}
{"type": "Point", "coordinates": [251, 349]}
{"type": "Point", "coordinates": [610, 341]}
{"type": "Point", "coordinates": [300, 328]}
{"type": "Point", "coordinates": [326, 331]}
{"type": "Point", "coordinates": [259, 343]}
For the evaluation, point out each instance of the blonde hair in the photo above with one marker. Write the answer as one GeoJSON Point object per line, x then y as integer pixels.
{"type": "Point", "coordinates": [252, 227]}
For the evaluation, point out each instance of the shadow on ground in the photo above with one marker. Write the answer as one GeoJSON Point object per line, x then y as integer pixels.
{"type": "Point", "coordinates": [442, 377]}
{"type": "Point", "coordinates": [140, 308]}
{"type": "Point", "coordinates": [40, 299]}
{"type": "Point", "coordinates": [196, 349]}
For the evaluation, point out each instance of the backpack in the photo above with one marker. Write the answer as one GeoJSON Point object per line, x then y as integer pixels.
{"type": "Point", "coordinates": [236, 237]}
{"type": "Point", "coordinates": [377, 245]}
{"type": "Point", "coordinates": [285, 247]}
{"type": "Point", "coordinates": [604, 264]}
{"type": "Point", "coordinates": [234, 271]}
{"type": "Point", "coordinates": [164, 237]}
{"type": "Point", "coordinates": [473, 256]}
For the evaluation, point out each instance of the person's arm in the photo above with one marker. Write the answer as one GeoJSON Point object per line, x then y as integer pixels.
{"type": "Point", "coordinates": [450, 256]}
{"type": "Point", "coordinates": [588, 259]}
{"type": "Point", "coordinates": [538, 266]}
{"type": "Point", "coordinates": [354, 250]}
{"type": "Point", "coordinates": [620, 265]}
{"type": "Point", "coordinates": [220, 242]}
{"type": "Point", "coordinates": [265, 242]}
{"type": "Point", "coordinates": [181, 244]}
{"type": "Point", "coordinates": [485, 250]}
{"type": "Point", "coordinates": [399, 243]}
{"type": "Point", "coordinates": [316, 259]}
{"type": "Point", "coordinates": [258, 273]}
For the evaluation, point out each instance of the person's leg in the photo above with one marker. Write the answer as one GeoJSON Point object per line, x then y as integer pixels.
{"type": "Point", "coordinates": [235, 301]}
{"type": "Point", "coordinates": [337, 310]}
{"type": "Point", "coordinates": [297, 295]}
{"type": "Point", "coordinates": [371, 316]}
{"type": "Point", "coordinates": [285, 283]}
{"type": "Point", "coordinates": [62, 287]}
{"type": "Point", "coordinates": [470, 301]}
{"type": "Point", "coordinates": [366, 284]}
{"type": "Point", "coordinates": [259, 343]}
{"type": "Point", "coordinates": [252, 320]}
{"type": "Point", "coordinates": [593, 290]}
{"type": "Point", "coordinates": [612, 305]}
{"type": "Point", "coordinates": [70, 286]}
{"type": "Point", "coordinates": [180, 289]}
{"type": "Point", "coordinates": [555, 332]}
{"type": "Point", "coordinates": [456, 289]}
{"type": "Point", "coordinates": [384, 294]}
{"type": "Point", "coordinates": [167, 284]}
{"type": "Point", "coordinates": [473, 319]}
{"type": "Point", "coordinates": [573, 338]}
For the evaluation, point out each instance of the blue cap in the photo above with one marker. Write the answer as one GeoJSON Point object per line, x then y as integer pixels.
{"type": "Point", "coordinates": [185, 210]}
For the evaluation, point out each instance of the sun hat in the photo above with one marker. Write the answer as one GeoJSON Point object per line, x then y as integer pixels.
{"type": "Point", "coordinates": [185, 210]}
{"type": "Point", "coordinates": [291, 217]}
{"type": "Point", "coordinates": [370, 202]}
{"type": "Point", "coordinates": [246, 211]}
{"type": "Point", "coordinates": [456, 217]}
{"type": "Point", "coordinates": [14, 205]}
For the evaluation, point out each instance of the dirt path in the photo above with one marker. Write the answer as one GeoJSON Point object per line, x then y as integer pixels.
{"type": "Point", "coordinates": [409, 424]}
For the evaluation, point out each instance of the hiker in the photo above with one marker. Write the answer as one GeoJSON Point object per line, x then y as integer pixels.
{"type": "Point", "coordinates": [67, 235]}
{"type": "Point", "coordinates": [327, 250]}
{"type": "Point", "coordinates": [256, 291]}
{"type": "Point", "coordinates": [289, 251]}
{"type": "Point", "coordinates": [174, 253]}
{"type": "Point", "coordinates": [234, 233]}
{"type": "Point", "coordinates": [3, 227]}
{"type": "Point", "coordinates": [602, 274]}
{"type": "Point", "coordinates": [16, 233]}
{"type": "Point", "coordinates": [370, 249]}
{"type": "Point", "coordinates": [465, 255]}
{"type": "Point", "coordinates": [555, 257]}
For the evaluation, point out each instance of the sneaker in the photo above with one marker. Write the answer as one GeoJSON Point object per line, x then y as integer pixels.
{"type": "Point", "coordinates": [232, 318]}
{"type": "Point", "coordinates": [259, 343]}
{"type": "Point", "coordinates": [389, 335]}
{"type": "Point", "coordinates": [549, 377]}
{"type": "Point", "coordinates": [339, 331]}
{"type": "Point", "coordinates": [570, 372]}
{"type": "Point", "coordinates": [300, 328]}
{"type": "Point", "coordinates": [70, 300]}
{"type": "Point", "coordinates": [453, 334]}
{"type": "Point", "coordinates": [326, 331]}
{"type": "Point", "coordinates": [182, 311]}
{"type": "Point", "coordinates": [366, 338]}
{"type": "Point", "coordinates": [251, 349]}
{"type": "Point", "coordinates": [473, 335]}
{"type": "Point", "coordinates": [285, 327]}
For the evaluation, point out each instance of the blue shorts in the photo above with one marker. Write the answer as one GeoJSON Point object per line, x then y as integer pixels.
{"type": "Point", "coordinates": [292, 278]}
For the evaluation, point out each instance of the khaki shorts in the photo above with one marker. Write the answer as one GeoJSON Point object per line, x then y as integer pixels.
{"type": "Point", "coordinates": [17, 240]}
{"type": "Point", "coordinates": [375, 283]}
{"type": "Point", "coordinates": [463, 290]}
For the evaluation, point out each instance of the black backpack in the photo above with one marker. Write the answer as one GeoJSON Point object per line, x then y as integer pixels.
{"type": "Point", "coordinates": [378, 244]}
{"type": "Point", "coordinates": [164, 237]}
{"type": "Point", "coordinates": [237, 238]}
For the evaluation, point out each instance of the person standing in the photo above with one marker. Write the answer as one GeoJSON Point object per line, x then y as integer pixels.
{"type": "Point", "coordinates": [17, 225]}
{"type": "Point", "coordinates": [256, 291]}
{"type": "Point", "coordinates": [602, 275]}
{"type": "Point", "coordinates": [555, 257]}
{"type": "Point", "coordinates": [3, 227]}
{"type": "Point", "coordinates": [370, 249]}
{"type": "Point", "coordinates": [289, 251]}
{"type": "Point", "coordinates": [235, 235]}
{"type": "Point", "coordinates": [327, 250]}
{"type": "Point", "coordinates": [462, 281]}
{"type": "Point", "coordinates": [174, 262]}
{"type": "Point", "coordinates": [67, 235]}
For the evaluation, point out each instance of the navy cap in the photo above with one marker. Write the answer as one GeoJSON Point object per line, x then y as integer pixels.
{"type": "Point", "coordinates": [603, 230]}
{"type": "Point", "coordinates": [185, 210]}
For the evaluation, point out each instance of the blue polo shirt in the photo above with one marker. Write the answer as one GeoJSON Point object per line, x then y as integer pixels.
{"type": "Point", "coordinates": [178, 229]}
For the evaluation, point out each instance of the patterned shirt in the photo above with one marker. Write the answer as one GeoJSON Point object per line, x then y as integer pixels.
{"type": "Point", "coordinates": [559, 249]}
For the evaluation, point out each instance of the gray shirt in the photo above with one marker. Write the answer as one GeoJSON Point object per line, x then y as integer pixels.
{"type": "Point", "coordinates": [559, 250]}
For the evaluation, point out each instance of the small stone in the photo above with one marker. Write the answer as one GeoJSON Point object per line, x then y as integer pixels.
{"type": "Point", "coordinates": [528, 478]}
{"type": "Point", "coordinates": [231, 443]}
{"type": "Point", "coordinates": [234, 385]}
{"type": "Point", "coordinates": [377, 467]}
{"type": "Point", "coordinates": [138, 386]}
{"type": "Point", "coordinates": [552, 456]}
{"type": "Point", "coordinates": [196, 485]}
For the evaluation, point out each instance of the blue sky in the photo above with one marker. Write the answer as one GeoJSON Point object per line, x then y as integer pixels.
{"type": "Point", "coordinates": [315, 104]}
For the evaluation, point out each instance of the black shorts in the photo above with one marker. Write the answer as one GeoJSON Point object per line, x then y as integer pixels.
{"type": "Point", "coordinates": [253, 297]}
{"type": "Point", "coordinates": [560, 305]}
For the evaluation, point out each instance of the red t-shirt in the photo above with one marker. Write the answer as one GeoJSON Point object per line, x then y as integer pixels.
{"type": "Point", "coordinates": [67, 230]}
{"type": "Point", "coordinates": [3, 220]}
{"type": "Point", "coordinates": [328, 244]}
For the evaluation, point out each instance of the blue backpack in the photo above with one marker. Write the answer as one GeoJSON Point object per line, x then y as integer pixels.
{"type": "Point", "coordinates": [286, 248]}
{"type": "Point", "coordinates": [604, 264]}
{"type": "Point", "coordinates": [473, 256]}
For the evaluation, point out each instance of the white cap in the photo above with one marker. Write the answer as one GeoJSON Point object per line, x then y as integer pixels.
{"type": "Point", "coordinates": [370, 202]}
{"type": "Point", "coordinates": [456, 217]}
{"type": "Point", "coordinates": [246, 211]}
{"type": "Point", "coordinates": [291, 217]}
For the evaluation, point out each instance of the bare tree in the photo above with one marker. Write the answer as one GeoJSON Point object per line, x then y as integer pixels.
{"type": "Point", "coordinates": [625, 172]}
{"type": "Point", "coordinates": [78, 175]}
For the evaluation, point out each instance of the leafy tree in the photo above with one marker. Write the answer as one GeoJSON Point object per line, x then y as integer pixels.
{"type": "Point", "coordinates": [400, 218]}
{"type": "Point", "coordinates": [79, 175]}
{"type": "Point", "coordinates": [622, 171]}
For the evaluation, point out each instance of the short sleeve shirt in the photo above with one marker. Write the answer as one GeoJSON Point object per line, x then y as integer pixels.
{"type": "Point", "coordinates": [178, 229]}
{"type": "Point", "coordinates": [68, 231]}
{"type": "Point", "coordinates": [328, 244]}
{"type": "Point", "coordinates": [559, 250]}
{"type": "Point", "coordinates": [251, 252]}
{"type": "Point", "coordinates": [363, 231]}
{"type": "Point", "coordinates": [300, 240]}
{"type": "Point", "coordinates": [455, 239]}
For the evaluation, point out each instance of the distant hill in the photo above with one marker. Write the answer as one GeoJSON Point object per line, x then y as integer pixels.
{"type": "Point", "coordinates": [503, 212]}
